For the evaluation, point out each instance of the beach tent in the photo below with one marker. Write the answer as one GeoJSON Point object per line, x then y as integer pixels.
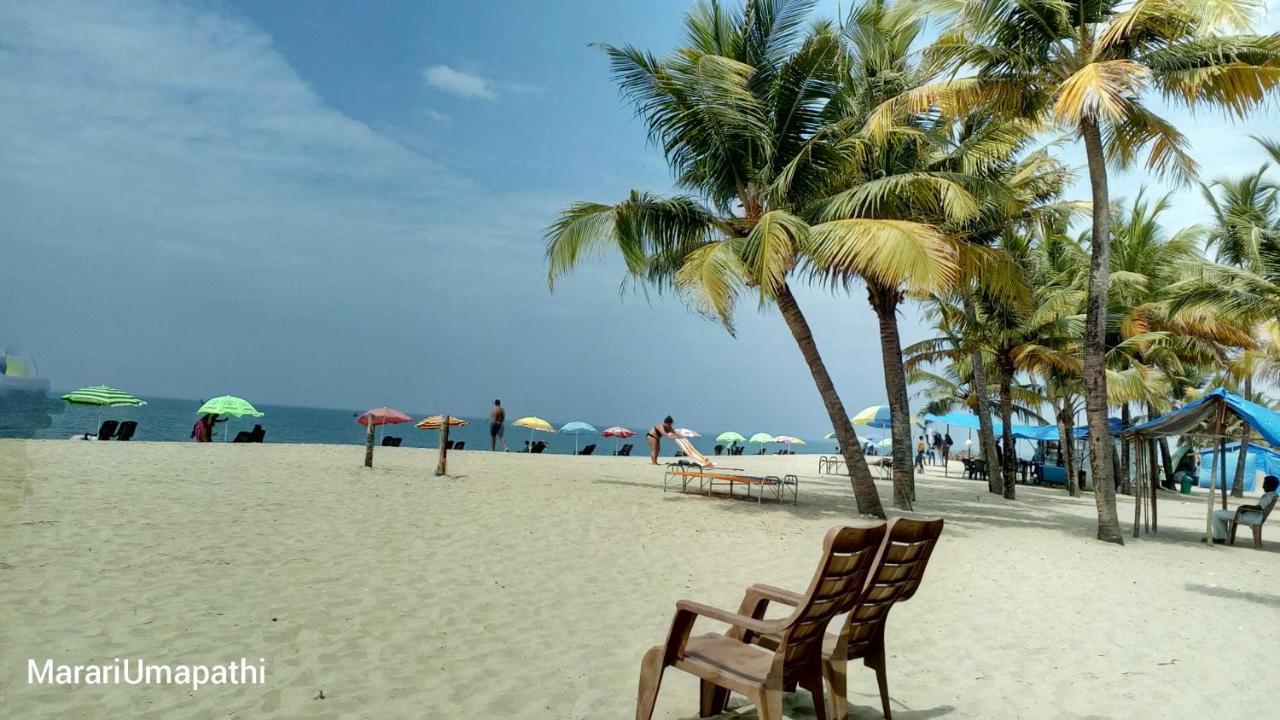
{"type": "Point", "coordinates": [1210, 413]}
{"type": "Point", "coordinates": [1257, 459]}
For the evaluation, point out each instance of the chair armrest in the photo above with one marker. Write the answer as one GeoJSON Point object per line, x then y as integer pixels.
{"type": "Point", "coordinates": [1244, 508]}
{"type": "Point", "coordinates": [776, 594]}
{"type": "Point", "coordinates": [754, 604]}
{"type": "Point", "coordinates": [732, 618]}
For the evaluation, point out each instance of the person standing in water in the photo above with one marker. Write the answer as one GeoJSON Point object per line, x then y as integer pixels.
{"type": "Point", "coordinates": [654, 436]}
{"type": "Point", "coordinates": [497, 420]}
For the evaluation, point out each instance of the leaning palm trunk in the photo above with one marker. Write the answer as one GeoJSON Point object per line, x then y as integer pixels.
{"type": "Point", "coordinates": [986, 431]}
{"type": "Point", "coordinates": [885, 303]}
{"type": "Point", "coordinates": [1095, 378]}
{"type": "Point", "coordinates": [1066, 449]}
{"type": "Point", "coordinates": [1008, 469]}
{"type": "Point", "coordinates": [864, 488]}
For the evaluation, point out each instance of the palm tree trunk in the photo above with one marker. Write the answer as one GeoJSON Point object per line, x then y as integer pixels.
{"type": "Point", "coordinates": [864, 488]}
{"type": "Point", "coordinates": [1237, 484]}
{"type": "Point", "coordinates": [1126, 476]}
{"type": "Point", "coordinates": [884, 301]}
{"type": "Point", "coordinates": [1094, 371]}
{"type": "Point", "coordinates": [986, 431]}
{"type": "Point", "coordinates": [1066, 442]}
{"type": "Point", "coordinates": [1009, 469]}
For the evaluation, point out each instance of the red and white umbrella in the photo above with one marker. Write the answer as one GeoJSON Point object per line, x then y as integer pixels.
{"type": "Point", "coordinates": [617, 433]}
{"type": "Point", "coordinates": [373, 418]}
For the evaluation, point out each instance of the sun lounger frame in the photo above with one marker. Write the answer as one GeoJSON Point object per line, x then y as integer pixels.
{"type": "Point", "coordinates": [686, 473]}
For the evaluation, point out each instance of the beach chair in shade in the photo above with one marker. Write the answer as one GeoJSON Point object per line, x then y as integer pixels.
{"type": "Point", "coordinates": [244, 436]}
{"type": "Point", "coordinates": [731, 662]}
{"type": "Point", "coordinates": [587, 450]}
{"type": "Point", "coordinates": [899, 567]}
{"type": "Point", "coordinates": [107, 429]}
{"type": "Point", "coordinates": [538, 447]}
{"type": "Point", "coordinates": [386, 441]}
{"type": "Point", "coordinates": [257, 435]}
{"type": "Point", "coordinates": [460, 445]}
{"type": "Point", "coordinates": [448, 445]}
{"type": "Point", "coordinates": [127, 429]}
{"type": "Point", "coordinates": [1252, 517]}
{"type": "Point", "coordinates": [395, 441]}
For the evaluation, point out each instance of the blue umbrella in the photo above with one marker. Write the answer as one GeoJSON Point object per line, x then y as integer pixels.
{"type": "Point", "coordinates": [575, 429]}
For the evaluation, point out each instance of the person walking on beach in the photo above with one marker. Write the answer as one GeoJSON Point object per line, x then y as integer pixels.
{"type": "Point", "coordinates": [920, 454]}
{"type": "Point", "coordinates": [654, 436]}
{"type": "Point", "coordinates": [946, 450]}
{"type": "Point", "coordinates": [497, 421]}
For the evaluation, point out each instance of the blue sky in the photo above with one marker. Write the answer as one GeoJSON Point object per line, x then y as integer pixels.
{"type": "Point", "coordinates": [341, 204]}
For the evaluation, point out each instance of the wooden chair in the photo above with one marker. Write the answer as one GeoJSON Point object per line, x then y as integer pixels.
{"type": "Point", "coordinates": [731, 662]}
{"type": "Point", "coordinates": [1238, 519]}
{"type": "Point", "coordinates": [899, 567]}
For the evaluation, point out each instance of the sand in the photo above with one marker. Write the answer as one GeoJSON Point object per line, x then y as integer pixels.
{"type": "Point", "coordinates": [530, 586]}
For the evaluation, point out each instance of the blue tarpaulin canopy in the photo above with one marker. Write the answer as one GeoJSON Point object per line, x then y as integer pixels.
{"type": "Point", "coordinates": [1257, 458]}
{"type": "Point", "coordinates": [1020, 432]}
{"type": "Point", "coordinates": [1182, 421]}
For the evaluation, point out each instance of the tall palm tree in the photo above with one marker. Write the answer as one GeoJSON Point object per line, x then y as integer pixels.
{"type": "Point", "coordinates": [742, 110]}
{"type": "Point", "coordinates": [1086, 67]}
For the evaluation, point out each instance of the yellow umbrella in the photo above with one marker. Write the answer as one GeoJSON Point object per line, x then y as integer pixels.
{"type": "Point", "coordinates": [534, 423]}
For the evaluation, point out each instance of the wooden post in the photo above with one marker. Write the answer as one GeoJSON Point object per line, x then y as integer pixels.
{"type": "Point", "coordinates": [1136, 493]}
{"type": "Point", "coordinates": [443, 466]}
{"type": "Point", "coordinates": [368, 441]}
{"type": "Point", "coordinates": [1213, 472]}
{"type": "Point", "coordinates": [1155, 489]}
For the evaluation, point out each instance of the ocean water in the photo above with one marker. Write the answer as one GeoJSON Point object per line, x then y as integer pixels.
{"type": "Point", "coordinates": [171, 420]}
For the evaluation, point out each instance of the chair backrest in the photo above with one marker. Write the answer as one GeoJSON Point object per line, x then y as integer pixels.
{"type": "Point", "coordinates": [127, 429]}
{"type": "Point", "coordinates": [1266, 509]}
{"type": "Point", "coordinates": [107, 429]}
{"type": "Point", "coordinates": [258, 434]}
{"type": "Point", "coordinates": [848, 557]}
{"type": "Point", "coordinates": [243, 436]}
{"type": "Point", "coordinates": [386, 441]}
{"type": "Point", "coordinates": [395, 442]}
{"type": "Point", "coordinates": [462, 444]}
{"type": "Point", "coordinates": [898, 570]}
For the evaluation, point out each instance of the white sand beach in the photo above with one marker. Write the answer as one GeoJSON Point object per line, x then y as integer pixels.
{"type": "Point", "coordinates": [530, 586]}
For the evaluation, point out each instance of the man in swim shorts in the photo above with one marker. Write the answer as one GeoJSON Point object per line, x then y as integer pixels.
{"type": "Point", "coordinates": [497, 420]}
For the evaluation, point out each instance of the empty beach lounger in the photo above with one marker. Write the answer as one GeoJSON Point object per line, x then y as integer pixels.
{"type": "Point", "coordinates": [395, 442]}
{"type": "Point", "coordinates": [899, 567]}
{"type": "Point", "coordinates": [127, 429]}
{"type": "Point", "coordinates": [730, 662]}
{"type": "Point", "coordinates": [244, 436]}
{"type": "Point", "coordinates": [587, 450]}
{"type": "Point", "coordinates": [462, 445]}
{"type": "Point", "coordinates": [386, 441]}
{"type": "Point", "coordinates": [107, 429]}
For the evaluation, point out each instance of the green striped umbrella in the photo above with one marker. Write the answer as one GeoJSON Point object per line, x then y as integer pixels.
{"type": "Point", "coordinates": [102, 396]}
{"type": "Point", "coordinates": [228, 405]}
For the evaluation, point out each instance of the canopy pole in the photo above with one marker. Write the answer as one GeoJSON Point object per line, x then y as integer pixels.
{"type": "Point", "coordinates": [1155, 488]}
{"type": "Point", "coordinates": [1137, 504]}
{"type": "Point", "coordinates": [368, 440]}
{"type": "Point", "coordinates": [443, 466]}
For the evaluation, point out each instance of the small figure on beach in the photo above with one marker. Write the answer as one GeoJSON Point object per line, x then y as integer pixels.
{"type": "Point", "coordinates": [654, 436]}
{"type": "Point", "coordinates": [1251, 515]}
{"type": "Point", "coordinates": [204, 427]}
{"type": "Point", "coordinates": [920, 446]}
{"type": "Point", "coordinates": [497, 420]}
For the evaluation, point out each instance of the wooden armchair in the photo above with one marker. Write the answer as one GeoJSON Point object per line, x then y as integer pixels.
{"type": "Point", "coordinates": [1251, 516]}
{"type": "Point", "coordinates": [730, 662]}
{"type": "Point", "coordinates": [900, 565]}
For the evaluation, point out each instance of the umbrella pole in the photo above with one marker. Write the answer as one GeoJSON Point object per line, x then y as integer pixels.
{"type": "Point", "coordinates": [443, 466]}
{"type": "Point", "coordinates": [368, 441]}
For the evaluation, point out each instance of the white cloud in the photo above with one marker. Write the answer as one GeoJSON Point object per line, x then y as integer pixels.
{"type": "Point", "coordinates": [458, 82]}
{"type": "Point", "coordinates": [439, 117]}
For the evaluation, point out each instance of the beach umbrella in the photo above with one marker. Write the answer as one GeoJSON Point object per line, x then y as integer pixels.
{"type": "Point", "coordinates": [616, 432]}
{"type": "Point", "coordinates": [534, 423]}
{"type": "Point", "coordinates": [886, 443]}
{"type": "Point", "coordinates": [788, 440]}
{"type": "Point", "coordinates": [102, 396]}
{"type": "Point", "coordinates": [373, 418]}
{"type": "Point", "coordinates": [228, 405]}
{"type": "Point", "coordinates": [729, 436]}
{"type": "Point", "coordinates": [761, 438]}
{"type": "Point", "coordinates": [686, 432]}
{"type": "Point", "coordinates": [575, 429]}
{"type": "Point", "coordinates": [441, 423]}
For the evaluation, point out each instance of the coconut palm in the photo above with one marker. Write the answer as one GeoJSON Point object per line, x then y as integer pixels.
{"type": "Point", "coordinates": [742, 111]}
{"type": "Point", "coordinates": [1087, 67]}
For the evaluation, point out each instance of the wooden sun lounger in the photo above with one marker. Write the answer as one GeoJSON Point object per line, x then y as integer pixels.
{"type": "Point", "coordinates": [686, 473]}
{"type": "Point", "coordinates": [730, 662]}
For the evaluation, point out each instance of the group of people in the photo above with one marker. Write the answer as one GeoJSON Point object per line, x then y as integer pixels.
{"type": "Point", "coordinates": [935, 449]}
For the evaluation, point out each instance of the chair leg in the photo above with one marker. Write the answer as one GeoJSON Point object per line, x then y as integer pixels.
{"type": "Point", "coordinates": [713, 701]}
{"type": "Point", "coordinates": [769, 704]}
{"type": "Point", "coordinates": [1231, 532]}
{"type": "Point", "coordinates": [876, 662]}
{"type": "Point", "coordinates": [813, 684]}
{"type": "Point", "coordinates": [650, 680]}
{"type": "Point", "coordinates": [836, 674]}
{"type": "Point", "coordinates": [1257, 537]}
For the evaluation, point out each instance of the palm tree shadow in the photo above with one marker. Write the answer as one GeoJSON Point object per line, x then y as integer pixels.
{"type": "Point", "coordinates": [1261, 598]}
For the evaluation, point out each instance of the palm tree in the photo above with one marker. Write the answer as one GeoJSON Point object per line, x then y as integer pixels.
{"type": "Point", "coordinates": [742, 111]}
{"type": "Point", "coordinates": [1086, 67]}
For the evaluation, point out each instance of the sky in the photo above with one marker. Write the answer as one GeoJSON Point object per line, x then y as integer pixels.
{"type": "Point", "coordinates": [341, 204]}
